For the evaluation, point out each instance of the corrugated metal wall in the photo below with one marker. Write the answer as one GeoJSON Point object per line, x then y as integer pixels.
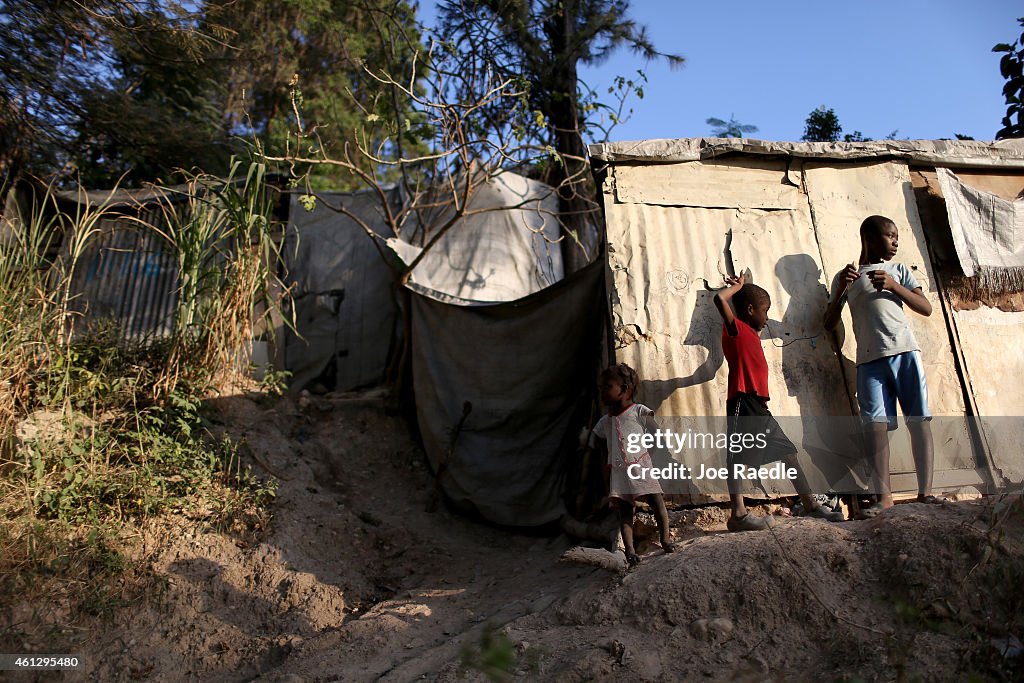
{"type": "Point", "coordinates": [842, 195]}
{"type": "Point", "coordinates": [794, 225]}
{"type": "Point", "coordinates": [130, 275]}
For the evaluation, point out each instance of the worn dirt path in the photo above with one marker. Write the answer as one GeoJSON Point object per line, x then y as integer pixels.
{"type": "Point", "coordinates": [356, 582]}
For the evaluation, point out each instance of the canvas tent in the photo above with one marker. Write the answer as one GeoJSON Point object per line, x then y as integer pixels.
{"type": "Point", "coordinates": [493, 321]}
{"type": "Point", "coordinates": [681, 214]}
{"type": "Point", "coordinates": [504, 248]}
{"type": "Point", "coordinates": [503, 351]}
{"type": "Point", "coordinates": [523, 368]}
{"type": "Point", "coordinates": [346, 308]}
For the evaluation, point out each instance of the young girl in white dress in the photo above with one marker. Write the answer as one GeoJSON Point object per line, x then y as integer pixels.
{"type": "Point", "coordinates": [623, 419]}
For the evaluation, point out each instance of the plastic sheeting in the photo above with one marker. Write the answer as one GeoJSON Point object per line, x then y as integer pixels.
{"type": "Point", "coordinates": [504, 248]}
{"type": "Point", "coordinates": [525, 368]}
{"type": "Point", "coordinates": [345, 304]}
{"type": "Point", "coordinates": [345, 308]}
{"type": "Point", "coordinates": [988, 233]}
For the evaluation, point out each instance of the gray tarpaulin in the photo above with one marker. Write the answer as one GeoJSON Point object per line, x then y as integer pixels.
{"type": "Point", "coordinates": [345, 309]}
{"type": "Point", "coordinates": [988, 233]}
{"type": "Point", "coordinates": [525, 366]}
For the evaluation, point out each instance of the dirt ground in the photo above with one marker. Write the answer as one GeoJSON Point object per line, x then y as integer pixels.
{"type": "Point", "coordinates": [355, 581]}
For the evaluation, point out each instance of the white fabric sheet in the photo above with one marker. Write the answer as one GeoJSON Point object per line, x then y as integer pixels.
{"type": "Point", "coordinates": [988, 232]}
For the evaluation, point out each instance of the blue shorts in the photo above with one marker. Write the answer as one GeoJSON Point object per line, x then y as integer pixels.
{"type": "Point", "coordinates": [882, 382]}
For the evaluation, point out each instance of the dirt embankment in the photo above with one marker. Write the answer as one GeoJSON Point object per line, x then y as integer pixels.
{"type": "Point", "coordinates": [356, 582]}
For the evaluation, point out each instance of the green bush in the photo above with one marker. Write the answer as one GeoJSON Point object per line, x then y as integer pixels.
{"type": "Point", "coordinates": [102, 435]}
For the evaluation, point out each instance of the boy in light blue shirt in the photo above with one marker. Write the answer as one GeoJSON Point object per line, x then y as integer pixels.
{"type": "Point", "coordinates": [889, 365]}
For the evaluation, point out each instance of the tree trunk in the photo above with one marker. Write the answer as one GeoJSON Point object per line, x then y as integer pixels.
{"type": "Point", "coordinates": [570, 177]}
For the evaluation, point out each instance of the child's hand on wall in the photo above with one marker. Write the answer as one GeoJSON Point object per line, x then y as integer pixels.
{"type": "Point", "coordinates": [735, 281]}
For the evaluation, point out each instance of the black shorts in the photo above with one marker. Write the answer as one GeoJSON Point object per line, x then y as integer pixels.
{"type": "Point", "coordinates": [750, 422]}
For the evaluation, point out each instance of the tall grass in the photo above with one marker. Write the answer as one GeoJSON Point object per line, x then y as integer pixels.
{"type": "Point", "coordinates": [222, 234]}
{"type": "Point", "coordinates": [35, 295]}
{"type": "Point", "coordinates": [102, 434]}
{"type": "Point", "coordinates": [24, 310]}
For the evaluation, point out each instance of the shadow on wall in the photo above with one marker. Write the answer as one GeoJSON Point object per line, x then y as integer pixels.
{"type": "Point", "coordinates": [705, 331]}
{"type": "Point", "coordinates": [816, 373]}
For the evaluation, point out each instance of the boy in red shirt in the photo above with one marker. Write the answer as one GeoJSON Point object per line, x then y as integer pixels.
{"type": "Point", "coordinates": [747, 401]}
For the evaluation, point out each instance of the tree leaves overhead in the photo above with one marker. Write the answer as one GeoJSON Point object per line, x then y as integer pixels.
{"type": "Point", "coordinates": [822, 125]}
{"type": "Point", "coordinates": [315, 50]}
{"type": "Point", "coordinates": [541, 43]}
{"type": "Point", "coordinates": [70, 102]}
{"type": "Point", "coordinates": [101, 88]}
{"type": "Point", "coordinates": [1011, 66]}
{"type": "Point", "coordinates": [162, 112]}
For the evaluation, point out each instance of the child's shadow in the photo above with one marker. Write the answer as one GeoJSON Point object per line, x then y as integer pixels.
{"type": "Point", "coordinates": [705, 331]}
{"type": "Point", "coordinates": [816, 375]}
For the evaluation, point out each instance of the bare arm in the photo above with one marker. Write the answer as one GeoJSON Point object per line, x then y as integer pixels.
{"type": "Point", "coordinates": [722, 298]}
{"type": "Point", "coordinates": [835, 307]}
{"type": "Point", "coordinates": [914, 299]}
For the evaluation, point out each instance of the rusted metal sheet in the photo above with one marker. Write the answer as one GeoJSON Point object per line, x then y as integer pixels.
{"type": "Point", "coordinates": [987, 328]}
{"type": "Point", "coordinates": [128, 275]}
{"type": "Point", "coordinates": [667, 262]}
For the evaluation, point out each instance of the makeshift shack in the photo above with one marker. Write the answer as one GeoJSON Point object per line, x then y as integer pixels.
{"type": "Point", "coordinates": [503, 348]}
{"type": "Point", "coordinates": [126, 276]}
{"type": "Point", "coordinates": [343, 292]}
{"type": "Point", "coordinates": [682, 214]}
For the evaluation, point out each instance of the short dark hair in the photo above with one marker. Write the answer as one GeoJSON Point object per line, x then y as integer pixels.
{"type": "Point", "coordinates": [749, 294]}
{"type": "Point", "coordinates": [873, 226]}
{"type": "Point", "coordinates": [626, 375]}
